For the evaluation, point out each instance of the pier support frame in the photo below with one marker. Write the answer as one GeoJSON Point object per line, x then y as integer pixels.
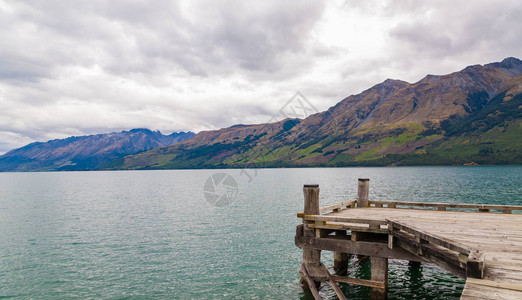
{"type": "Point", "coordinates": [359, 228]}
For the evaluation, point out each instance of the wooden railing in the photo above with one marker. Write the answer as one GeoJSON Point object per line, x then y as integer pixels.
{"type": "Point", "coordinates": [483, 208]}
{"type": "Point", "coordinates": [505, 209]}
{"type": "Point", "coordinates": [338, 206]}
{"type": "Point", "coordinates": [334, 207]}
{"type": "Point", "coordinates": [344, 223]}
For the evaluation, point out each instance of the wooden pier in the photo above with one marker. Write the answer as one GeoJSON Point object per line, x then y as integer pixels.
{"type": "Point", "coordinates": [479, 243]}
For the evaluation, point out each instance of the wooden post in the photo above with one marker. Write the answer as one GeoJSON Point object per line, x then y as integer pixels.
{"type": "Point", "coordinates": [414, 264]}
{"type": "Point", "coordinates": [311, 257]}
{"type": "Point", "coordinates": [379, 273]}
{"type": "Point", "coordinates": [475, 264]}
{"type": "Point", "coordinates": [340, 259]}
{"type": "Point", "coordinates": [363, 191]}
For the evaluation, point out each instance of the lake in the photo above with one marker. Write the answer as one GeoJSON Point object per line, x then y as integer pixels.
{"type": "Point", "coordinates": [155, 234]}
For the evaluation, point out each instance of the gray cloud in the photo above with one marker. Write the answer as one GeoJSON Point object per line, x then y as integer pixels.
{"type": "Point", "coordinates": [82, 67]}
{"type": "Point", "coordinates": [210, 38]}
{"type": "Point", "coordinates": [455, 31]}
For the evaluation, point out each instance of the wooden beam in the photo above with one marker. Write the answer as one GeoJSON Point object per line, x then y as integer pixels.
{"type": "Point", "coordinates": [334, 285]}
{"type": "Point", "coordinates": [328, 218]}
{"type": "Point", "coordinates": [357, 281]}
{"type": "Point", "coordinates": [360, 248]}
{"type": "Point", "coordinates": [345, 227]}
{"type": "Point", "coordinates": [310, 283]}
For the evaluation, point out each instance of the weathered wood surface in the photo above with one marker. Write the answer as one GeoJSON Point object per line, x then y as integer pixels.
{"type": "Point", "coordinates": [498, 235]}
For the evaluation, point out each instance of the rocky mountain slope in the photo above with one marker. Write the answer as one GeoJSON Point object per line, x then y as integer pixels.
{"type": "Point", "coordinates": [86, 152]}
{"type": "Point", "coordinates": [473, 115]}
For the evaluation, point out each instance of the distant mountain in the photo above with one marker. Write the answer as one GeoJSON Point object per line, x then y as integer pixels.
{"type": "Point", "coordinates": [86, 152]}
{"type": "Point", "coordinates": [473, 115]}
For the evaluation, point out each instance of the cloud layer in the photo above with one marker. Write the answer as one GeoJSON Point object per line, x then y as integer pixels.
{"type": "Point", "coordinates": [81, 67]}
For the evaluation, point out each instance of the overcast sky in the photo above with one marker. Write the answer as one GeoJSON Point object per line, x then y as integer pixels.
{"type": "Point", "coordinates": [83, 67]}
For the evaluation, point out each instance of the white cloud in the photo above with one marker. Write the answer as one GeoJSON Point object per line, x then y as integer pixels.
{"type": "Point", "coordinates": [82, 67]}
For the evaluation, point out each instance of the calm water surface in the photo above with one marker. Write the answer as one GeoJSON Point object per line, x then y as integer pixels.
{"type": "Point", "coordinates": [152, 234]}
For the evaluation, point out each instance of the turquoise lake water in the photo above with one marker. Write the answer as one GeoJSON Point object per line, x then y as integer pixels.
{"type": "Point", "coordinates": [153, 234]}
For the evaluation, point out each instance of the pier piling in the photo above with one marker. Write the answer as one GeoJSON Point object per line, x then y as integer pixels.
{"type": "Point", "coordinates": [311, 266]}
{"type": "Point", "coordinates": [379, 273]}
{"type": "Point", "coordinates": [340, 258]}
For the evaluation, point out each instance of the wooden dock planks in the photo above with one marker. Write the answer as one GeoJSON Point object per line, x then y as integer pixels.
{"type": "Point", "coordinates": [498, 235]}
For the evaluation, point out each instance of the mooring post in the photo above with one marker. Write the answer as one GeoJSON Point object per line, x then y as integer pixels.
{"type": "Point", "coordinates": [311, 257]}
{"type": "Point", "coordinates": [363, 190]}
{"type": "Point", "coordinates": [380, 273]}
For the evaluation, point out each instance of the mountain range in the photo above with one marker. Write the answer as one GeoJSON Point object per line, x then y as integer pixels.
{"type": "Point", "coordinates": [472, 116]}
{"type": "Point", "coordinates": [86, 152]}
{"type": "Point", "coordinates": [468, 117]}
